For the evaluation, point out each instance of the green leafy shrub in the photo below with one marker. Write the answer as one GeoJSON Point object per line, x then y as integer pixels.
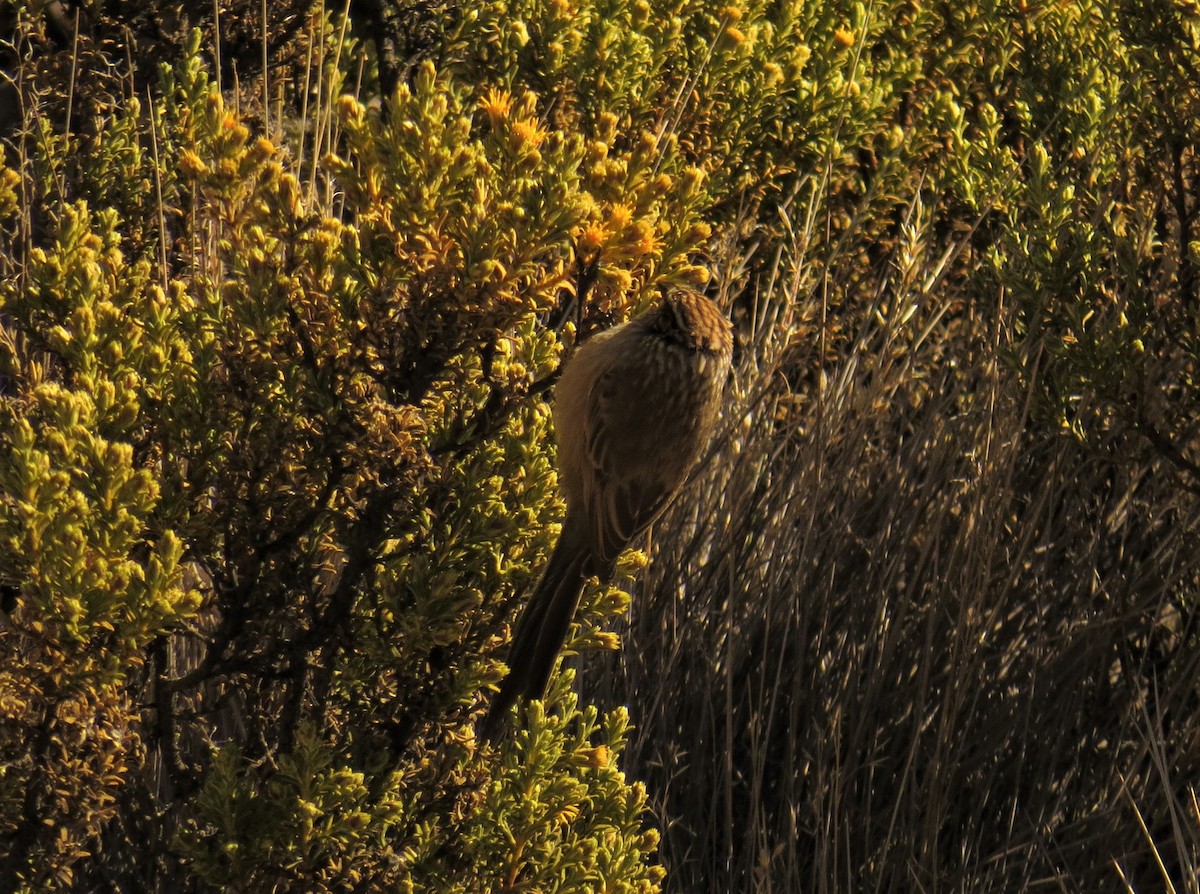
{"type": "Point", "coordinates": [316, 416]}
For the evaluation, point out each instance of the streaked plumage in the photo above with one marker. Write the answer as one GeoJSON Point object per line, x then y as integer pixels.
{"type": "Point", "coordinates": [633, 410]}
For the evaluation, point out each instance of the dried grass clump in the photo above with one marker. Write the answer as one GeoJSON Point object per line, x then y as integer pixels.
{"type": "Point", "coordinates": [907, 635]}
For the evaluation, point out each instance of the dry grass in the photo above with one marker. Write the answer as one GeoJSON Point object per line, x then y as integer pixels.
{"type": "Point", "coordinates": [905, 636]}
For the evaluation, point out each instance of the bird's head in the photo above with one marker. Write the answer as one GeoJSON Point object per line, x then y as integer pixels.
{"type": "Point", "coordinates": [692, 320]}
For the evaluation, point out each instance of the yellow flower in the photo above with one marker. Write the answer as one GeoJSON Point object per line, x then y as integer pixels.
{"type": "Point", "coordinates": [262, 149]}
{"type": "Point", "coordinates": [192, 165]}
{"type": "Point", "coordinates": [843, 37]}
{"type": "Point", "coordinates": [239, 131]}
{"type": "Point", "coordinates": [620, 279]}
{"type": "Point", "coordinates": [592, 238]}
{"type": "Point", "coordinates": [619, 217]}
{"type": "Point", "coordinates": [529, 132]}
{"type": "Point", "coordinates": [349, 108]}
{"type": "Point", "coordinates": [643, 241]}
{"type": "Point", "coordinates": [595, 757]}
{"type": "Point", "coordinates": [496, 104]}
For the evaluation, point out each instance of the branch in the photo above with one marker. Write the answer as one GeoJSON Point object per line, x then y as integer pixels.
{"type": "Point", "coordinates": [1167, 448]}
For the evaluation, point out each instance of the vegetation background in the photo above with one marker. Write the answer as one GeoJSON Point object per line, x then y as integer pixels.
{"type": "Point", "coordinates": [283, 292]}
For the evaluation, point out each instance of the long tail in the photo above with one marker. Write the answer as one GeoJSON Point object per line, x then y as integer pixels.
{"type": "Point", "coordinates": [543, 625]}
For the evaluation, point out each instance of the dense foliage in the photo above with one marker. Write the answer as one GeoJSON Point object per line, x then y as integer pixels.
{"type": "Point", "coordinates": [282, 303]}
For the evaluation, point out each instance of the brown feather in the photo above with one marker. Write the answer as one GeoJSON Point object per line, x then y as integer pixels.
{"type": "Point", "coordinates": [633, 410]}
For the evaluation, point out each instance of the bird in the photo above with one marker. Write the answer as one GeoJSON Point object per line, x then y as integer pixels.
{"type": "Point", "coordinates": [633, 411]}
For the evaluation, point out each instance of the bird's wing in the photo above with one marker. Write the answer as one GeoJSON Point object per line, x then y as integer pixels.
{"type": "Point", "coordinates": [625, 487]}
